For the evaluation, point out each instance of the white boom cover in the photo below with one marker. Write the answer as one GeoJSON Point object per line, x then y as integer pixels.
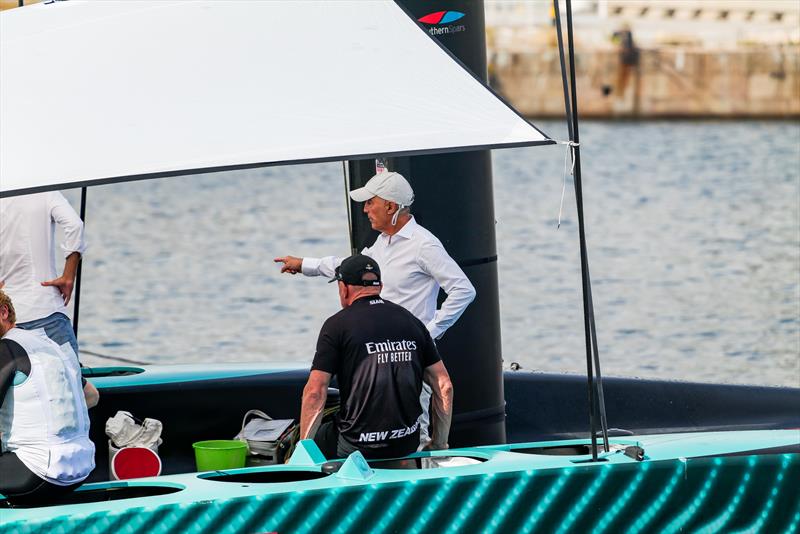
{"type": "Point", "coordinates": [103, 91]}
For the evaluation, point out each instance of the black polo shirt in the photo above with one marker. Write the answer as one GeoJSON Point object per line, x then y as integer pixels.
{"type": "Point", "coordinates": [378, 352]}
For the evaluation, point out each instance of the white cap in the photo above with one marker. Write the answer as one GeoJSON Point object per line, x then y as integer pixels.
{"type": "Point", "coordinates": [389, 186]}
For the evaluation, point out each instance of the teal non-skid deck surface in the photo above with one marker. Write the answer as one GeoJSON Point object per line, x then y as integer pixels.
{"type": "Point", "coordinates": [687, 482]}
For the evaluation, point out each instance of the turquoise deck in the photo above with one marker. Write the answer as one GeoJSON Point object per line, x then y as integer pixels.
{"type": "Point", "coordinates": [151, 375]}
{"type": "Point", "coordinates": [685, 482]}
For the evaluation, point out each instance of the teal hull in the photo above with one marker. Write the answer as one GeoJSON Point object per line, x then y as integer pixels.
{"type": "Point", "coordinates": [706, 482]}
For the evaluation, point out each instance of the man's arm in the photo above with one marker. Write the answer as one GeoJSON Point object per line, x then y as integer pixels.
{"type": "Point", "coordinates": [310, 266]}
{"type": "Point", "coordinates": [313, 266]}
{"type": "Point", "coordinates": [314, 396]}
{"type": "Point", "coordinates": [91, 394]}
{"type": "Point", "coordinates": [438, 379]}
{"type": "Point", "coordinates": [435, 260]}
{"type": "Point", "coordinates": [74, 245]}
{"type": "Point", "coordinates": [66, 282]}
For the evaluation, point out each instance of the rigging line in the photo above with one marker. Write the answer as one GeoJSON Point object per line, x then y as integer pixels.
{"type": "Point", "coordinates": [567, 110]}
{"type": "Point", "coordinates": [563, 191]}
{"type": "Point", "coordinates": [77, 291]}
{"type": "Point", "coordinates": [592, 358]}
{"type": "Point", "coordinates": [564, 84]}
{"type": "Point", "coordinates": [601, 401]}
{"type": "Point", "coordinates": [595, 352]}
{"type": "Point", "coordinates": [578, 199]}
{"type": "Point", "coordinates": [115, 358]}
{"type": "Point", "coordinates": [589, 322]}
{"type": "Point", "coordinates": [588, 300]}
{"type": "Point", "coordinates": [570, 150]}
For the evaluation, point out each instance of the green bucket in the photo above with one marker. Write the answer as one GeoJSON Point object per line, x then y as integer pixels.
{"type": "Point", "coordinates": [219, 454]}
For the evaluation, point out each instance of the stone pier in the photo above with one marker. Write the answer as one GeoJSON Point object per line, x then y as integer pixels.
{"type": "Point", "coordinates": [669, 82]}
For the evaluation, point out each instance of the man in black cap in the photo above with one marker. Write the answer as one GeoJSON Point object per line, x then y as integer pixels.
{"type": "Point", "coordinates": [380, 354]}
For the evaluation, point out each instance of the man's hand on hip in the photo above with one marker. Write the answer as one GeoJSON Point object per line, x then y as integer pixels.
{"type": "Point", "coordinates": [64, 285]}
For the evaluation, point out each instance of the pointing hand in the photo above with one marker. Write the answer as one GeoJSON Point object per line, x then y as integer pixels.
{"type": "Point", "coordinates": [291, 264]}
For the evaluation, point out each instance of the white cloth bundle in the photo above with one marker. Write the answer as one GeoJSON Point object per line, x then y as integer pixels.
{"type": "Point", "coordinates": [124, 431]}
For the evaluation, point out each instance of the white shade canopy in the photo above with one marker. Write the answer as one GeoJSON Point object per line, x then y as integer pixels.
{"type": "Point", "coordinates": [104, 91]}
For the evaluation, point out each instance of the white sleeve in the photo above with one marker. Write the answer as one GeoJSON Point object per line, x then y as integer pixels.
{"type": "Point", "coordinates": [324, 266]}
{"type": "Point", "coordinates": [64, 216]}
{"type": "Point", "coordinates": [435, 261]}
{"type": "Point", "coordinates": [321, 266]}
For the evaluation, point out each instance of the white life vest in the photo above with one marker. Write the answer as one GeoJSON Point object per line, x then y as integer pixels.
{"type": "Point", "coordinates": [44, 419]}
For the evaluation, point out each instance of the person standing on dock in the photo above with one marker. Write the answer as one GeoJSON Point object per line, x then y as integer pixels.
{"type": "Point", "coordinates": [628, 58]}
{"type": "Point", "coordinates": [28, 265]}
{"type": "Point", "coordinates": [381, 355]}
{"type": "Point", "coordinates": [415, 265]}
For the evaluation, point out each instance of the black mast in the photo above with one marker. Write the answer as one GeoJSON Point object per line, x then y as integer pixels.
{"type": "Point", "coordinates": [455, 201]}
{"type": "Point", "coordinates": [596, 399]}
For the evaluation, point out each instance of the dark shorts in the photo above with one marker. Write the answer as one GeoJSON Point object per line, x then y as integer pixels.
{"type": "Point", "coordinates": [20, 485]}
{"type": "Point", "coordinates": [327, 439]}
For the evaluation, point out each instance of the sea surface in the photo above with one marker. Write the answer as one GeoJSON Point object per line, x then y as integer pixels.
{"type": "Point", "coordinates": [694, 247]}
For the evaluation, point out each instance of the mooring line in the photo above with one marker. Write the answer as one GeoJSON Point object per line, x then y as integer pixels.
{"type": "Point", "coordinates": [115, 358]}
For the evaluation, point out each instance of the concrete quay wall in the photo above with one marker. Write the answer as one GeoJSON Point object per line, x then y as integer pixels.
{"type": "Point", "coordinates": [669, 82]}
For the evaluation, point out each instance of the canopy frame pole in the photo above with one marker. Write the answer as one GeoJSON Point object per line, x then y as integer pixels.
{"type": "Point", "coordinates": [77, 290]}
{"type": "Point", "coordinates": [595, 387]}
{"type": "Point", "coordinates": [346, 174]}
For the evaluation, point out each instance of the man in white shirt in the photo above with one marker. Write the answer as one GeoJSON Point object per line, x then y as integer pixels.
{"type": "Point", "coordinates": [28, 263]}
{"type": "Point", "coordinates": [28, 266]}
{"type": "Point", "coordinates": [414, 264]}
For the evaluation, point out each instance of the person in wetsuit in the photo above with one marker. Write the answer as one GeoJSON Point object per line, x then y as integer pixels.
{"type": "Point", "coordinates": [44, 422]}
{"type": "Point", "coordinates": [380, 354]}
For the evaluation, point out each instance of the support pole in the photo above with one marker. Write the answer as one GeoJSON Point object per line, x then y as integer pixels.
{"type": "Point", "coordinates": [77, 291]}
{"type": "Point", "coordinates": [595, 386]}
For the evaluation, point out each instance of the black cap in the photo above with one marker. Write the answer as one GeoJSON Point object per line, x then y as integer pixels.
{"type": "Point", "coordinates": [353, 269]}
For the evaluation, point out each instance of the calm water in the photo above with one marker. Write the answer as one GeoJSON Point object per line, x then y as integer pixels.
{"type": "Point", "coordinates": [694, 246]}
